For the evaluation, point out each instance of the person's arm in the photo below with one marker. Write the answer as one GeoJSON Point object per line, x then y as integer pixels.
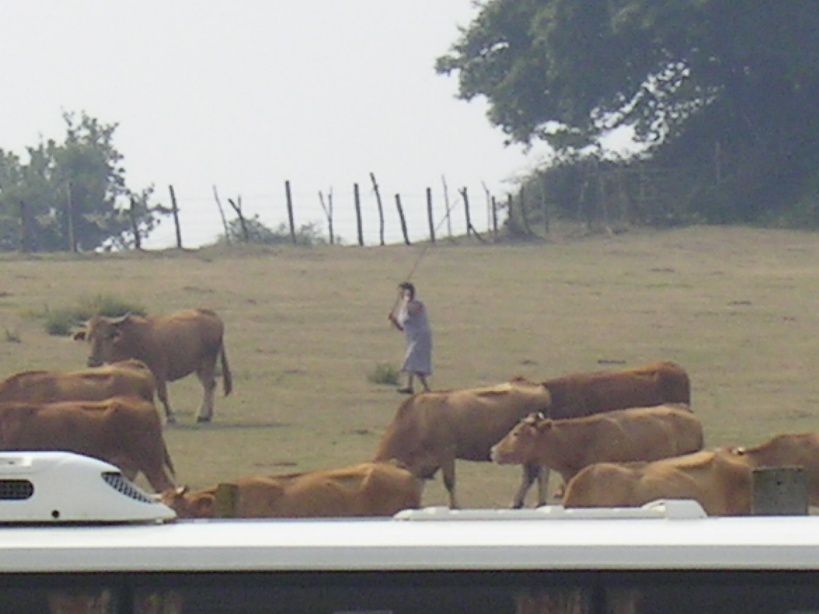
{"type": "Point", "coordinates": [391, 317]}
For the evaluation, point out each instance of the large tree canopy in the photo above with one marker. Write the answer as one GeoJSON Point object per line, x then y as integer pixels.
{"type": "Point", "coordinates": [688, 75]}
{"type": "Point", "coordinates": [83, 174]}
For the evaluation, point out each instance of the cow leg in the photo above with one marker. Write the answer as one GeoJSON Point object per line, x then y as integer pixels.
{"type": "Point", "coordinates": [530, 473]}
{"type": "Point", "coordinates": [542, 485]}
{"type": "Point", "coordinates": [162, 393]}
{"type": "Point", "coordinates": [207, 376]}
{"type": "Point", "coordinates": [448, 473]}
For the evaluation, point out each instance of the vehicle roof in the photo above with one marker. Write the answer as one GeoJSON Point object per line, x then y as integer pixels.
{"type": "Point", "coordinates": [748, 543]}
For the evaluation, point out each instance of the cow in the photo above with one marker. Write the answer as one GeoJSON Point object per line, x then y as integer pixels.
{"type": "Point", "coordinates": [172, 346]}
{"type": "Point", "coordinates": [795, 450]}
{"type": "Point", "coordinates": [569, 445]}
{"type": "Point", "coordinates": [719, 480]}
{"type": "Point", "coordinates": [584, 394]}
{"type": "Point", "coordinates": [431, 429]}
{"type": "Point", "coordinates": [366, 489]}
{"type": "Point", "coordinates": [124, 378]}
{"type": "Point", "coordinates": [124, 431]}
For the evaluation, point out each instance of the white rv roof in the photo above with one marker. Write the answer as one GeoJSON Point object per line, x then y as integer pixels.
{"type": "Point", "coordinates": [751, 543]}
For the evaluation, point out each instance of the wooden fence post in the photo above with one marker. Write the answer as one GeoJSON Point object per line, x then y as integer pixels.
{"type": "Point", "coordinates": [69, 212]}
{"type": "Point", "coordinates": [328, 211]}
{"type": "Point", "coordinates": [401, 216]}
{"type": "Point", "coordinates": [429, 216]}
{"type": "Point", "coordinates": [779, 491]}
{"type": "Point", "coordinates": [357, 200]}
{"type": "Point", "coordinates": [134, 224]}
{"type": "Point", "coordinates": [222, 215]}
{"type": "Point", "coordinates": [290, 211]}
{"type": "Point", "coordinates": [237, 207]}
{"type": "Point", "coordinates": [466, 210]}
{"type": "Point", "coordinates": [523, 216]}
{"type": "Point", "coordinates": [380, 209]}
{"type": "Point", "coordinates": [494, 218]}
{"type": "Point", "coordinates": [175, 210]}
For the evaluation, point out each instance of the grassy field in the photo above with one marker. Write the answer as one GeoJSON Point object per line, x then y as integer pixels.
{"type": "Point", "coordinates": [735, 307]}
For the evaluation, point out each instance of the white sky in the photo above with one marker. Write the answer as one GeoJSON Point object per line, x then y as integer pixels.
{"type": "Point", "coordinates": [244, 94]}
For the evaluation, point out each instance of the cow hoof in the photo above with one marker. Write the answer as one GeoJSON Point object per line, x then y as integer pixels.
{"type": "Point", "coordinates": [201, 419]}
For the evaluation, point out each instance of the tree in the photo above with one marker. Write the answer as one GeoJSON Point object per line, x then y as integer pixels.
{"type": "Point", "coordinates": [82, 175]}
{"type": "Point", "coordinates": [695, 78]}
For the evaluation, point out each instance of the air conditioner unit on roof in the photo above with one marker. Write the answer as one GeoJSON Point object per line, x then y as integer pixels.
{"type": "Point", "coordinates": [62, 487]}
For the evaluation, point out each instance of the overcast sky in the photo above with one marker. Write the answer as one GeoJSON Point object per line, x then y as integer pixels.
{"type": "Point", "coordinates": [244, 94]}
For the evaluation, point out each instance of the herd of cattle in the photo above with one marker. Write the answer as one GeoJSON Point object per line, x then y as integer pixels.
{"type": "Point", "coordinates": [616, 438]}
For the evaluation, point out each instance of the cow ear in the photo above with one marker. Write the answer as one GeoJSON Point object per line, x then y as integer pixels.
{"type": "Point", "coordinates": [79, 336]}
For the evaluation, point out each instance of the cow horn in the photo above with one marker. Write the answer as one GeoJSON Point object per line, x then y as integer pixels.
{"type": "Point", "coordinates": [119, 320]}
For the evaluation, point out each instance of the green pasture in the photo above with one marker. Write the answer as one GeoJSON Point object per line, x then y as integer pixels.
{"type": "Point", "coordinates": [306, 327]}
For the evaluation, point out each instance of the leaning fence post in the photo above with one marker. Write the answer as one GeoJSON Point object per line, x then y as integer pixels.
{"type": "Point", "coordinates": [290, 211]}
{"type": "Point", "coordinates": [401, 216]}
{"type": "Point", "coordinates": [494, 218]}
{"type": "Point", "coordinates": [779, 491]}
{"type": "Point", "coordinates": [357, 201]}
{"type": "Point", "coordinates": [175, 210]}
{"type": "Point", "coordinates": [25, 240]}
{"type": "Point", "coordinates": [380, 209]}
{"type": "Point", "coordinates": [134, 224]}
{"type": "Point", "coordinates": [466, 209]}
{"type": "Point", "coordinates": [69, 212]}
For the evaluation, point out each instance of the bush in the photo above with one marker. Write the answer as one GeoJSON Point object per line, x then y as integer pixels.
{"type": "Point", "coordinates": [385, 374]}
{"type": "Point", "coordinates": [62, 321]}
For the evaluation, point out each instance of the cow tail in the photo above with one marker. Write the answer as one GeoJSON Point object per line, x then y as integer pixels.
{"type": "Point", "coordinates": [227, 378]}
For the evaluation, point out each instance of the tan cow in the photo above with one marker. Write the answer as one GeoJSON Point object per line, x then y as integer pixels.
{"type": "Point", "coordinates": [125, 378]}
{"type": "Point", "coordinates": [124, 431]}
{"type": "Point", "coordinates": [432, 429]}
{"type": "Point", "coordinates": [367, 489]}
{"type": "Point", "coordinates": [172, 346]}
{"type": "Point", "coordinates": [569, 445]}
{"type": "Point", "coordinates": [792, 450]}
{"type": "Point", "coordinates": [719, 480]}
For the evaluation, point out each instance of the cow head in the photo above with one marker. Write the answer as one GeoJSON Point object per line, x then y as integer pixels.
{"type": "Point", "coordinates": [108, 338]}
{"type": "Point", "coordinates": [519, 444]}
{"type": "Point", "coordinates": [189, 505]}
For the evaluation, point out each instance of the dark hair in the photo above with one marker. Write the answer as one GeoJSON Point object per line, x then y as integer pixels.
{"type": "Point", "coordinates": [405, 285]}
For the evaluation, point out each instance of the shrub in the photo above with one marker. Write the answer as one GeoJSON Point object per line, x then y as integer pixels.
{"type": "Point", "coordinates": [62, 321]}
{"type": "Point", "coordinates": [385, 374]}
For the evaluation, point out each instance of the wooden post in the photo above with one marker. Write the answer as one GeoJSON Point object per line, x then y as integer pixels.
{"type": "Point", "coordinates": [226, 500]}
{"type": "Point", "coordinates": [429, 216]}
{"type": "Point", "coordinates": [543, 205]}
{"type": "Point", "coordinates": [494, 218]}
{"type": "Point", "coordinates": [328, 211]}
{"type": "Point", "coordinates": [25, 231]}
{"type": "Point", "coordinates": [222, 215]}
{"type": "Point", "coordinates": [779, 491]}
{"type": "Point", "coordinates": [134, 224]}
{"type": "Point", "coordinates": [401, 217]}
{"type": "Point", "coordinates": [466, 210]}
{"type": "Point", "coordinates": [357, 200]}
{"type": "Point", "coordinates": [175, 210]}
{"type": "Point", "coordinates": [290, 211]}
{"type": "Point", "coordinates": [446, 204]}
{"type": "Point", "coordinates": [69, 212]}
{"type": "Point", "coordinates": [511, 222]}
{"type": "Point", "coordinates": [523, 216]}
{"type": "Point", "coordinates": [237, 207]}
{"type": "Point", "coordinates": [380, 209]}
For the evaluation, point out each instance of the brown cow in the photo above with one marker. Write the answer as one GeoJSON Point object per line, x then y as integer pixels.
{"type": "Point", "coordinates": [432, 429]}
{"type": "Point", "coordinates": [368, 489]}
{"type": "Point", "coordinates": [569, 445]}
{"type": "Point", "coordinates": [125, 378]}
{"type": "Point", "coordinates": [584, 394]}
{"type": "Point", "coordinates": [124, 431]}
{"type": "Point", "coordinates": [794, 450]}
{"type": "Point", "coordinates": [719, 480]}
{"type": "Point", "coordinates": [172, 346]}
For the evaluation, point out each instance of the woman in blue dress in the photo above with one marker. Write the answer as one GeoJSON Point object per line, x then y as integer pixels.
{"type": "Point", "coordinates": [413, 321]}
